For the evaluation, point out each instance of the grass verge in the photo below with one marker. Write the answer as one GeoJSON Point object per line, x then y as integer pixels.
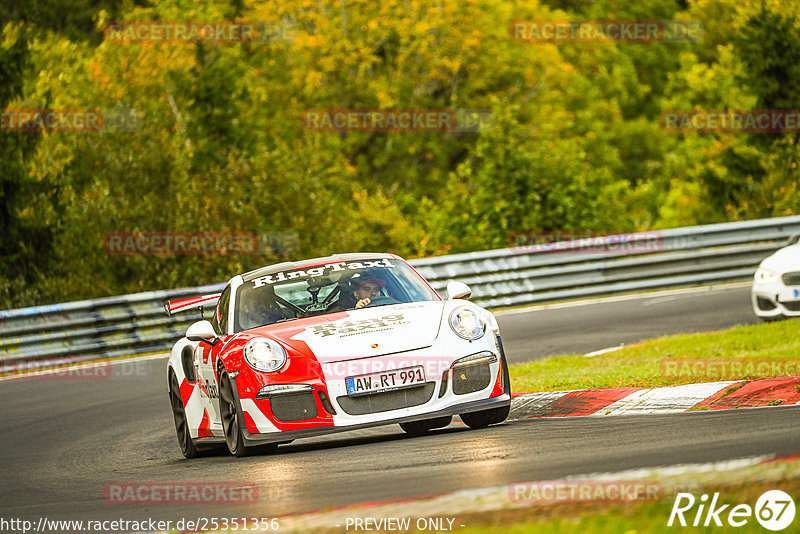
{"type": "Point", "coordinates": [740, 353]}
{"type": "Point", "coordinates": [630, 519]}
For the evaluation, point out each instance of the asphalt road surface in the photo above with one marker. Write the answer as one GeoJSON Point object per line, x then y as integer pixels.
{"type": "Point", "coordinates": [577, 328]}
{"type": "Point", "coordinates": [65, 440]}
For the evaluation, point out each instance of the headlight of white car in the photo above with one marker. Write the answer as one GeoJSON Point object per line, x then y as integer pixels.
{"type": "Point", "coordinates": [466, 323]}
{"type": "Point", "coordinates": [264, 354]}
{"type": "Point", "coordinates": [765, 276]}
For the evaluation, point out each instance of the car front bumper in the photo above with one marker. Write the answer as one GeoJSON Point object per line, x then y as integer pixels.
{"type": "Point", "coordinates": [473, 406]}
{"type": "Point", "coordinates": [775, 300]}
{"type": "Point", "coordinates": [328, 409]}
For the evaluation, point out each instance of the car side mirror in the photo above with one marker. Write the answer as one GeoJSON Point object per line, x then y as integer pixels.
{"type": "Point", "coordinates": [202, 331]}
{"type": "Point", "coordinates": [458, 290]}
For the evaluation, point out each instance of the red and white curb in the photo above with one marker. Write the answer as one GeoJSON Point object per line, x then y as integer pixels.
{"type": "Point", "coordinates": [673, 399]}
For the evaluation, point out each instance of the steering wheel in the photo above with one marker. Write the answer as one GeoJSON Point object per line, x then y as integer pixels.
{"type": "Point", "coordinates": [381, 301]}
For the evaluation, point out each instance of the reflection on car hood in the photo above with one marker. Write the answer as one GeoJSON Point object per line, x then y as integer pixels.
{"type": "Point", "coordinates": [365, 332]}
{"type": "Point", "coordinates": [784, 260]}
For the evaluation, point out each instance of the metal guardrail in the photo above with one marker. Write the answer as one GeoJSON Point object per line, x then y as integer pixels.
{"type": "Point", "coordinates": [86, 330]}
{"type": "Point", "coordinates": [91, 329]}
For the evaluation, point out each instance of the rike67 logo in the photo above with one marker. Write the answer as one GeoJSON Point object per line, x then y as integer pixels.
{"type": "Point", "coordinates": [774, 510]}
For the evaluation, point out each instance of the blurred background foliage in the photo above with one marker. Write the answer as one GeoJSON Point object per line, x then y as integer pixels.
{"type": "Point", "coordinates": [575, 141]}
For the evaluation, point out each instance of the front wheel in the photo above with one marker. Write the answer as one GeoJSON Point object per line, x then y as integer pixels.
{"type": "Point", "coordinates": [418, 428]}
{"type": "Point", "coordinates": [185, 442]}
{"type": "Point", "coordinates": [485, 418]}
{"type": "Point", "coordinates": [230, 417]}
{"type": "Point", "coordinates": [234, 437]}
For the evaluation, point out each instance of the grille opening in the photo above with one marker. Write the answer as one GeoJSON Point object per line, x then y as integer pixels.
{"type": "Point", "coordinates": [294, 406]}
{"type": "Point", "coordinates": [764, 304]}
{"type": "Point", "coordinates": [791, 279]}
{"type": "Point", "coordinates": [470, 378]}
{"type": "Point", "coordinates": [792, 305]}
{"type": "Point", "coordinates": [387, 401]}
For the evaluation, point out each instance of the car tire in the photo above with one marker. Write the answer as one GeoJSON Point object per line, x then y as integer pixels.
{"type": "Point", "coordinates": [229, 414]}
{"type": "Point", "coordinates": [418, 428]}
{"type": "Point", "coordinates": [485, 418]}
{"type": "Point", "coordinates": [185, 442]}
{"type": "Point", "coordinates": [234, 437]}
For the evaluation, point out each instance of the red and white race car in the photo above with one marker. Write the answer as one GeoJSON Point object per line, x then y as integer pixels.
{"type": "Point", "coordinates": [349, 341]}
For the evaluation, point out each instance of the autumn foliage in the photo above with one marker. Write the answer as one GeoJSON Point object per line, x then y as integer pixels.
{"type": "Point", "coordinates": [209, 136]}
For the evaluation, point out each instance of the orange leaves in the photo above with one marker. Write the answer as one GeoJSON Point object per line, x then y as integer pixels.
{"type": "Point", "coordinates": [94, 69]}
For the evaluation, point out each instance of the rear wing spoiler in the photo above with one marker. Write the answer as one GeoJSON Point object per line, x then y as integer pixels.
{"type": "Point", "coordinates": [181, 305]}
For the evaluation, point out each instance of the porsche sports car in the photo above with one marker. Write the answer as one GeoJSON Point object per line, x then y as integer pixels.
{"type": "Point", "coordinates": [776, 288]}
{"type": "Point", "coordinates": [349, 341]}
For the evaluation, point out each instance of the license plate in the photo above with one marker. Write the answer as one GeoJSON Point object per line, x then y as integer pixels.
{"type": "Point", "coordinates": [385, 380]}
{"type": "Point", "coordinates": [789, 295]}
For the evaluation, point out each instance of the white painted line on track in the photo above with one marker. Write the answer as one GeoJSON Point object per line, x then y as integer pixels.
{"type": "Point", "coordinates": [674, 470]}
{"type": "Point", "coordinates": [604, 351]}
{"type": "Point", "coordinates": [622, 298]}
{"type": "Point", "coordinates": [659, 300]}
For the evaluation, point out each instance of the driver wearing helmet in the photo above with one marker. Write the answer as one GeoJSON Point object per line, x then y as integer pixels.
{"type": "Point", "coordinates": [258, 308]}
{"type": "Point", "coordinates": [368, 289]}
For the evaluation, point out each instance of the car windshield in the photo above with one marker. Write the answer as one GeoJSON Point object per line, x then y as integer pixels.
{"type": "Point", "coordinates": [327, 288]}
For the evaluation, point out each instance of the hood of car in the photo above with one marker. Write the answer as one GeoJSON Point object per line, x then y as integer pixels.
{"type": "Point", "coordinates": [363, 333]}
{"type": "Point", "coordinates": [784, 260]}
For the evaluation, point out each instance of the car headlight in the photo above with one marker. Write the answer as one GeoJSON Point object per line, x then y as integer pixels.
{"type": "Point", "coordinates": [264, 354]}
{"type": "Point", "coordinates": [466, 323]}
{"type": "Point", "coordinates": [765, 276]}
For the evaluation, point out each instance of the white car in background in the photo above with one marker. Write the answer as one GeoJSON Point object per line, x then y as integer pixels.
{"type": "Point", "coordinates": [776, 288]}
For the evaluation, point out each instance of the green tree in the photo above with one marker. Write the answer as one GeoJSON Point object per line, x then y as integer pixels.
{"type": "Point", "coordinates": [25, 248]}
